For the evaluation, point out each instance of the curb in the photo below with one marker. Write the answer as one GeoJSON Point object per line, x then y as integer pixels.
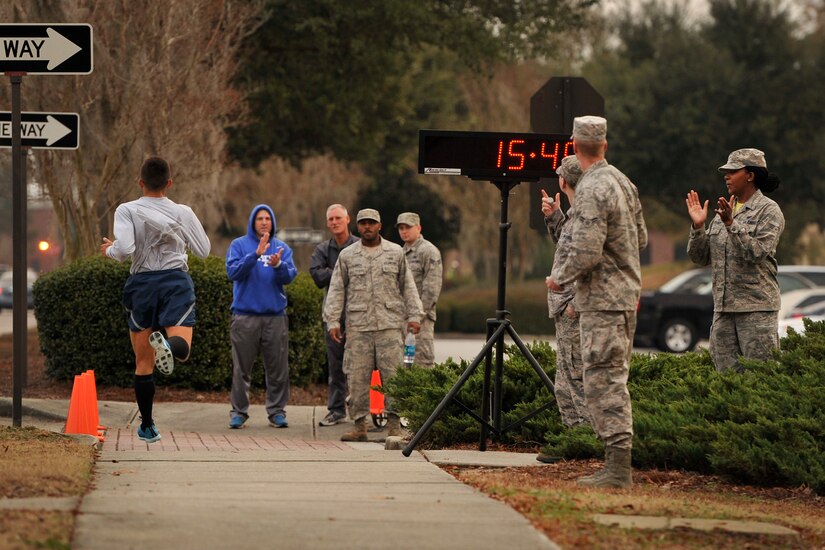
{"type": "Point", "coordinates": [6, 407]}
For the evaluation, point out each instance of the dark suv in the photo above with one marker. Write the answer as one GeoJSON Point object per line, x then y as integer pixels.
{"type": "Point", "coordinates": [678, 315]}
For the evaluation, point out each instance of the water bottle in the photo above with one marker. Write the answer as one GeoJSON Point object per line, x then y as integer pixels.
{"type": "Point", "coordinates": [409, 349]}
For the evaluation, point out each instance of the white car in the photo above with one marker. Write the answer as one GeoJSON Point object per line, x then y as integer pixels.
{"type": "Point", "coordinates": [796, 303]}
{"type": "Point", "coordinates": [796, 322]}
{"type": "Point", "coordinates": [7, 290]}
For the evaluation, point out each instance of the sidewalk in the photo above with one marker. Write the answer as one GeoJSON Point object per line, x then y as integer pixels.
{"type": "Point", "coordinates": [204, 486]}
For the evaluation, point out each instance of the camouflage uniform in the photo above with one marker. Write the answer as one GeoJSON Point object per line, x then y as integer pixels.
{"type": "Point", "coordinates": [600, 251]}
{"type": "Point", "coordinates": [569, 368]}
{"type": "Point", "coordinates": [424, 261]}
{"type": "Point", "coordinates": [745, 289]}
{"type": "Point", "coordinates": [379, 294]}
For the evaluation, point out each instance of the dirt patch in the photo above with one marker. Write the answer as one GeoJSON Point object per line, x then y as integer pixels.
{"type": "Point", "coordinates": [42, 387]}
{"type": "Point", "coordinates": [550, 499]}
{"type": "Point", "coordinates": [36, 463]}
{"type": "Point", "coordinates": [27, 529]}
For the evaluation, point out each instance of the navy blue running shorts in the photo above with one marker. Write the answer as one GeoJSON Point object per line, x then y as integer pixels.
{"type": "Point", "coordinates": [157, 299]}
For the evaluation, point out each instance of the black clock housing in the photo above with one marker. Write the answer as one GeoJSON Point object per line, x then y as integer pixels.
{"type": "Point", "coordinates": [493, 156]}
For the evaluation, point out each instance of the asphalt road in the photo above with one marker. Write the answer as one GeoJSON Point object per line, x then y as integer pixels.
{"type": "Point", "coordinates": [457, 346]}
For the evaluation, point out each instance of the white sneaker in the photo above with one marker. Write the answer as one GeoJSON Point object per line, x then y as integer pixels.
{"type": "Point", "coordinates": [332, 418]}
{"type": "Point", "coordinates": [164, 360]}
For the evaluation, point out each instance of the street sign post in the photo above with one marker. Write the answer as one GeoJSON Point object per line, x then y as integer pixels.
{"type": "Point", "coordinates": [46, 48]}
{"type": "Point", "coordinates": [552, 110]}
{"type": "Point", "coordinates": [35, 49]}
{"type": "Point", "coordinates": [43, 130]}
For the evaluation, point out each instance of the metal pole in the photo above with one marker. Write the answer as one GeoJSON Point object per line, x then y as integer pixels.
{"type": "Point", "coordinates": [501, 312]}
{"type": "Point", "coordinates": [20, 239]}
{"type": "Point", "coordinates": [486, 397]}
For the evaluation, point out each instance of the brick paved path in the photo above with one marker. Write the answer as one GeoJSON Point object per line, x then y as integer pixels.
{"type": "Point", "coordinates": [125, 439]}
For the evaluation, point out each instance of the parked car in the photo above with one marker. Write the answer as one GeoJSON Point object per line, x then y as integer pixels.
{"type": "Point", "coordinates": [7, 290]}
{"type": "Point", "coordinates": [796, 302]}
{"type": "Point", "coordinates": [679, 314]}
{"type": "Point", "coordinates": [815, 312]}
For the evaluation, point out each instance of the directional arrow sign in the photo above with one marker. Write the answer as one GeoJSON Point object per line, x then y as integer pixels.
{"type": "Point", "coordinates": [46, 49]}
{"type": "Point", "coordinates": [43, 130]}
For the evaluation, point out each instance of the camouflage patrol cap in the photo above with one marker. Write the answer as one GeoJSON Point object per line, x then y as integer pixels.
{"type": "Point", "coordinates": [592, 129]}
{"type": "Point", "coordinates": [744, 157]}
{"type": "Point", "coordinates": [570, 170]}
{"type": "Point", "coordinates": [408, 218]}
{"type": "Point", "coordinates": [368, 214]}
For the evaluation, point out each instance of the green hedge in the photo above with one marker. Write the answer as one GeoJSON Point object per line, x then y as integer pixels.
{"type": "Point", "coordinates": [418, 391]}
{"type": "Point", "coordinates": [467, 309]}
{"type": "Point", "coordinates": [763, 426]}
{"type": "Point", "coordinates": [82, 325]}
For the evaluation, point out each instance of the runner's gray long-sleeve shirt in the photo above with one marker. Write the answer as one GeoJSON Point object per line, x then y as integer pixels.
{"type": "Point", "coordinates": [156, 232]}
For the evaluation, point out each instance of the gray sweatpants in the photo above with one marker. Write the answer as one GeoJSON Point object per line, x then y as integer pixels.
{"type": "Point", "coordinates": [269, 336]}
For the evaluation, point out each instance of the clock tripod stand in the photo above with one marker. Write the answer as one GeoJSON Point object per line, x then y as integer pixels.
{"type": "Point", "coordinates": [490, 420]}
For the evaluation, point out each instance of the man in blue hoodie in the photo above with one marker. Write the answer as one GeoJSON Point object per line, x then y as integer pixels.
{"type": "Point", "coordinates": [259, 266]}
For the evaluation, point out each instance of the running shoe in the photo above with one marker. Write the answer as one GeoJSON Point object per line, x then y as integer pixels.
{"type": "Point", "coordinates": [332, 418]}
{"type": "Point", "coordinates": [278, 421]}
{"type": "Point", "coordinates": [149, 434]}
{"type": "Point", "coordinates": [237, 422]}
{"type": "Point", "coordinates": [164, 360]}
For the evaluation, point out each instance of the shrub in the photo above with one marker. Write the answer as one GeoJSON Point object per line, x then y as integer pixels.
{"type": "Point", "coordinates": [82, 325]}
{"type": "Point", "coordinates": [765, 425]}
{"type": "Point", "coordinates": [418, 391]}
{"type": "Point", "coordinates": [467, 309]}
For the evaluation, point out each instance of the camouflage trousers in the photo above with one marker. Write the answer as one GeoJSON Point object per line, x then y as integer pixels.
{"type": "Point", "coordinates": [424, 348]}
{"type": "Point", "coordinates": [569, 371]}
{"type": "Point", "coordinates": [364, 351]}
{"type": "Point", "coordinates": [606, 343]}
{"type": "Point", "coordinates": [749, 334]}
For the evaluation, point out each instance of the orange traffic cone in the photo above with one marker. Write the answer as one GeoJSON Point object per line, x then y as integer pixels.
{"type": "Point", "coordinates": [80, 419]}
{"type": "Point", "coordinates": [376, 397]}
{"type": "Point", "coordinates": [92, 389]}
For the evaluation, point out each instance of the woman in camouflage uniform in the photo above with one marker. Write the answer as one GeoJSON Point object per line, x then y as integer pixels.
{"type": "Point", "coordinates": [740, 245]}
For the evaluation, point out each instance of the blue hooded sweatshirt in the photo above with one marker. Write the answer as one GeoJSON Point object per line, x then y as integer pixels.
{"type": "Point", "coordinates": [258, 289]}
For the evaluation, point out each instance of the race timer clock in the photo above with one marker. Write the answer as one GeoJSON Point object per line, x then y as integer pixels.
{"type": "Point", "coordinates": [492, 155]}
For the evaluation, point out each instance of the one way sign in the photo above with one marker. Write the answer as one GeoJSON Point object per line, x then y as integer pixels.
{"type": "Point", "coordinates": [43, 130]}
{"type": "Point", "coordinates": [48, 48]}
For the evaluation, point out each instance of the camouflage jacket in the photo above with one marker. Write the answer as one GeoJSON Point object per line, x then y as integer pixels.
{"type": "Point", "coordinates": [424, 261]}
{"type": "Point", "coordinates": [377, 289]}
{"type": "Point", "coordinates": [600, 250]}
{"type": "Point", "coordinates": [742, 256]}
{"type": "Point", "coordinates": [558, 300]}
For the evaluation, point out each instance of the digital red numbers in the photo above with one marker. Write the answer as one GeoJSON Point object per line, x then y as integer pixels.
{"type": "Point", "coordinates": [513, 154]}
{"type": "Point", "coordinates": [516, 156]}
{"type": "Point", "coordinates": [554, 155]}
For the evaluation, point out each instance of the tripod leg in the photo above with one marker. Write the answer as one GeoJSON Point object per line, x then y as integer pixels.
{"type": "Point", "coordinates": [497, 396]}
{"type": "Point", "coordinates": [485, 390]}
{"type": "Point", "coordinates": [453, 391]}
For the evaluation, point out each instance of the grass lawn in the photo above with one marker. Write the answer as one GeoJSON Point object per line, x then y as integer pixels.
{"type": "Point", "coordinates": [36, 463]}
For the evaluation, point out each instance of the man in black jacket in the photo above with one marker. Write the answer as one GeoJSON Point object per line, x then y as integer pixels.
{"type": "Point", "coordinates": [321, 266]}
